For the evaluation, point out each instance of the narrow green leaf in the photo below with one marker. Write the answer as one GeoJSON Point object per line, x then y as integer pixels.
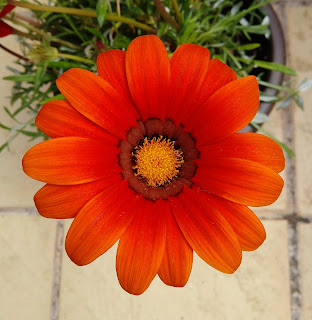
{"type": "Point", "coordinates": [260, 118]}
{"type": "Point", "coordinates": [305, 85]}
{"type": "Point", "coordinates": [249, 46]}
{"type": "Point", "coordinates": [101, 10]}
{"type": "Point", "coordinates": [28, 78]}
{"type": "Point", "coordinates": [57, 97]}
{"type": "Point", "coordinates": [38, 77]}
{"type": "Point", "coordinates": [30, 133]}
{"type": "Point", "coordinates": [285, 103]}
{"type": "Point", "coordinates": [268, 98]}
{"type": "Point", "coordinates": [73, 26]}
{"type": "Point", "coordinates": [299, 101]}
{"type": "Point", "coordinates": [4, 127]}
{"type": "Point", "coordinates": [64, 65]}
{"type": "Point", "coordinates": [270, 66]}
{"type": "Point", "coordinates": [275, 66]}
{"type": "Point", "coordinates": [5, 145]}
{"type": "Point", "coordinates": [96, 33]}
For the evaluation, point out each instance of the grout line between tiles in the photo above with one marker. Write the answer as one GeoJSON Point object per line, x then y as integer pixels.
{"type": "Point", "coordinates": [19, 211]}
{"type": "Point", "coordinates": [27, 211]}
{"type": "Point", "coordinates": [293, 219]}
{"type": "Point", "coordinates": [57, 269]}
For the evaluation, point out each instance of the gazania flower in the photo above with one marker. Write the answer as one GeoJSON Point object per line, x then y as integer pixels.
{"type": "Point", "coordinates": [147, 153]}
{"type": "Point", "coordinates": [5, 29]}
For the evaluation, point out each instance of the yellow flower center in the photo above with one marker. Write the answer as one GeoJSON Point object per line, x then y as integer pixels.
{"type": "Point", "coordinates": [157, 161]}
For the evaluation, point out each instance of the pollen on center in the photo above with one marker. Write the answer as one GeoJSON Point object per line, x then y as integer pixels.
{"type": "Point", "coordinates": [157, 161]}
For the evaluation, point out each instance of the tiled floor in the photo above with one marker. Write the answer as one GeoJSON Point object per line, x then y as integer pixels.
{"type": "Point", "coordinates": [38, 281]}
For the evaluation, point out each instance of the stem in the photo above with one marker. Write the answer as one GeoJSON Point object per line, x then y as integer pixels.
{"type": "Point", "coordinates": [161, 9]}
{"type": "Point", "coordinates": [77, 58]}
{"type": "Point", "coordinates": [176, 10]}
{"type": "Point", "coordinates": [83, 12]}
{"type": "Point", "coordinates": [13, 53]}
{"type": "Point", "coordinates": [42, 33]}
{"type": "Point", "coordinates": [21, 17]}
{"type": "Point", "coordinates": [276, 86]}
{"type": "Point", "coordinates": [118, 8]}
{"type": "Point", "coordinates": [24, 35]}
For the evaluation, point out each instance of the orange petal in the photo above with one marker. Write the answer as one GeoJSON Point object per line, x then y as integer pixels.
{"type": "Point", "coordinates": [111, 67]}
{"type": "Point", "coordinates": [227, 111]}
{"type": "Point", "coordinates": [207, 231]}
{"type": "Point", "coordinates": [247, 226]}
{"type": "Point", "coordinates": [241, 181]}
{"type": "Point", "coordinates": [96, 99]}
{"type": "Point", "coordinates": [189, 65]}
{"type": "Point", "coordinates": [100, 223]}
{"type": "Point", "coordinates": [71, 160]}
{"type": "Point", "coordinates": [148, 74]}
{"type": "Point", "coordinates": [218, 75]}
{"type": "Point", "coordinates": [250, 146]}
{"type": "Point", "coordinates": [60, 119]}
{"type": "Point", "coordinates": [176, 265]}
{"type": "Point", "coordinates": [63, 202]}
{"type": "Point", "coordinates": [141, 248]}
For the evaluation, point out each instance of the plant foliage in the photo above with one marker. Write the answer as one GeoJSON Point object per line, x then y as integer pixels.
{"type": "Point", "coordinates": [71, 33]}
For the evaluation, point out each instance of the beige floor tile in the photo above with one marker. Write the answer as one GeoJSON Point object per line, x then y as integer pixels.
{"type": "Point", "coordinates": [300, 46]}
{"type": "Point", "coordinates": [259, 290]}
{"type": "Point", "coordinates": [16, 189]}
{"type": "Point", "coordinates": [305, 242]}
{"type": "Point", "coordinates": [26, 263]}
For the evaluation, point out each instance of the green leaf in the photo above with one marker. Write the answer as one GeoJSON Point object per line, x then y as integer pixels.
{"type": "Point", "coordinates": [249, 46]}
{"type": "Point", "coordinates": [5, 145]}
{"type": "Point", "coordinates": [260, 118]}
{"type": "Point", "coordinates": [270, 66]}
{"type": "Point", "coordinates": [4, 127]}
{"type": "Point", "coordinates": [256, 29]}
{"type": "Point", "coordinates": [101, 10]}
{"type": "Point", "coordinates": [73, 26]}
{"type": "Point", "coordinates": [64, 65]}
{"type": "Point", "coordinates": [57, 97]}
{"type": "Point", "coordinates": [268, 98]}
{"type": "Point", "coordinates": [305, 85]}
{"type": "Point", "coordinates": [285, 103]}
{"type": "Point", "coordinates": [121, 41]}
{"type": "Point", "coordinates": [299, 101]}
{"type": "Point", "coordinates": [96, 33]}
{"type": "Point", "coordinates": [28, 78]}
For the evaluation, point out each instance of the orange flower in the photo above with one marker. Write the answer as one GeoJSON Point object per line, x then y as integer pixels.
{"type": "Point", "coordinates": [147, 153]}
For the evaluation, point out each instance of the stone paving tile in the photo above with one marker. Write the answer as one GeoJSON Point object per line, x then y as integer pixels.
{"type": "Point", "coordinates": [305, 241]}
{"type": "Point", "coordinates": [26, 263]}
{"type": "Point", "coordinates": [258, 290]}
{"type": "Point", "coordinates": [16, 189]}
{"type": "Point", "coordinates": [300, 48]}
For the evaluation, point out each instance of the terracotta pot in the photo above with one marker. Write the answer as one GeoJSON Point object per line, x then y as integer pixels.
{"type": "Point", "coordinates": [277, 52]}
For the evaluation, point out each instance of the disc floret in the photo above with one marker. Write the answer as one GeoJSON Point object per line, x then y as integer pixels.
{"type": "Point", "coordinates": [157, 161]}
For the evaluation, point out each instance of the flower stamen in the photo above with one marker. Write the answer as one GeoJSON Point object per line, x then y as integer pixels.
{"type": "Point", "coordinates": [157, 161]}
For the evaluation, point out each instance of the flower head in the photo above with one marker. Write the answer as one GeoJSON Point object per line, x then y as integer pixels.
{"type": "Point", "coordinates": [147, 153]}
{"type": "Point", "coordinates": [5, 29]}
{"type": "Point", "coordinates": [43, 52]}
